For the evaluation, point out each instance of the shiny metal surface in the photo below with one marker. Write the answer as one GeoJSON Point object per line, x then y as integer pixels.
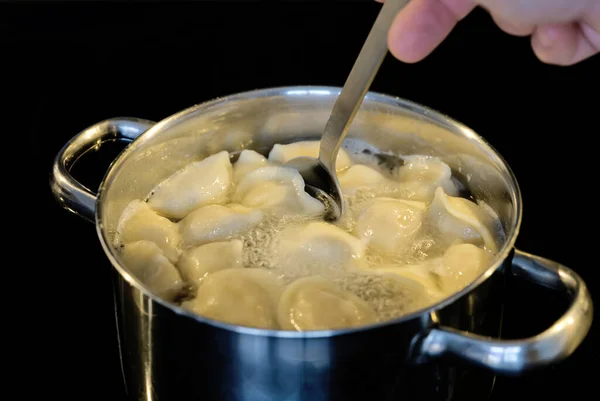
{"type": "Point", "coordinates": [168, 353]}
{"type": "Point", "coordinates": [320, 174]}
{"type": "Point", "coordinates": [516, 356]}
{"type": "Point", "coordinates": [71, 194]}
{"type": "Point", "coordinates": [321, 184]}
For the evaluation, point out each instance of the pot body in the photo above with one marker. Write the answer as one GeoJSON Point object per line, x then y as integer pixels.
{"type": "Point", "coordinates": [168, 353]}
{"type": "Point", "coordinates": [169, 356]}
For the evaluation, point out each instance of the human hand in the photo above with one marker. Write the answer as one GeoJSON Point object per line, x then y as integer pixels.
{"type": "Point", "coordinates": [563, 32]}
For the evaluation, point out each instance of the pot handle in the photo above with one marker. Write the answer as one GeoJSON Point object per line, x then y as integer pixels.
{"type": "Point", "coordinates": [512, 357]}
{"type": "Point", "coordinates": [69, 192]}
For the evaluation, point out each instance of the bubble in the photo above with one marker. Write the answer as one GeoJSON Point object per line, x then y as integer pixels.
{"type": "Point", "coordinates": [389, 294]}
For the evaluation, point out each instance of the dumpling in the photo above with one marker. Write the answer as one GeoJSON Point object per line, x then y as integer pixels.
{"type": "Point", "coordinates": [248, 161]}
{"type": "Point", "coordinates": [390, 295]}
{"type": "Point", "coordinates": [139, 222]}
{"type": "Point", "coordinates": [195, 264]}
{"type": "Point", "coordinates": [217, 223]}
{"type": "Point", "coordinates": [277, 189]}
{"type": "Point", "coordinates": [283, 153]}
{"type": "Point", "coordinates": [460, 219]}
{"type": "Point", "coordinates": [315, 303]}
{"type": "Point", "coordinates": [422, 274]}
{"type": "Point", "coordinates": [360, 177]}
{"type": "Point", "coordinates": [199, 183]}
{"type": "Point", "coordinates": [460, 265]}
{"type": "Point", "coordinates": [245, 297]}
{"type": "Point", "coordinates": [317, 245]}
{"type": "Point", "coordinates": [390, 225]}
{"type": "Point", "coordinates": [421, 175]}
{"type": "Point", "coordinates": [145, 260]}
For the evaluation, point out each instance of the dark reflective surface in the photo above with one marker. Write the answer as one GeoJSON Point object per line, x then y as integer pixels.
{"type": "Point", "coordinates": [168, 356]}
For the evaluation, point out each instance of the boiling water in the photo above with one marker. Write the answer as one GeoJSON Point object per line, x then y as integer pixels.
{"type": "Point", "coordinates": [389, 297]}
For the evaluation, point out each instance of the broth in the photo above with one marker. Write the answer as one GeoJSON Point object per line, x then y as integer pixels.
{"type": "Point", "coordinates": [235, 238]}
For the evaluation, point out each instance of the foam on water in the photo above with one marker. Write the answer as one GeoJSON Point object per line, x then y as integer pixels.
{"type": "Point", "coordinates": [390, 297]}
{"type": "Point", "coordinates": [258, 241]}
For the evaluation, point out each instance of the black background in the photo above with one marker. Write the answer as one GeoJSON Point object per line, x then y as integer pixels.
{"type": "Point", "coordinates": [79, 63]}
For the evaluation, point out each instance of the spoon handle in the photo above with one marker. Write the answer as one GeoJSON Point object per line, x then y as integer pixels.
{"type": "Point", "coordinates": [359, 80]}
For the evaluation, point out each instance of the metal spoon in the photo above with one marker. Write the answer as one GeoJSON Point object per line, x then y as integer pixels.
{"type": "Point", "coordinates": [319, 175]}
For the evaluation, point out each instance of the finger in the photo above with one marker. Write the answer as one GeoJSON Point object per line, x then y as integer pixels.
{"type": "Point", "coordinates": [562, 44]}
{"type": "Point", "coordinates": [422, 25]}
{"type": "Point", "coordinates": [534, 12]}
{"type": "Point", "coordinates": [516, 29]}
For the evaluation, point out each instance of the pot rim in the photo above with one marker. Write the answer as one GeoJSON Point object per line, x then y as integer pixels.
{"type": "Point", "coordinates": [436, 116]}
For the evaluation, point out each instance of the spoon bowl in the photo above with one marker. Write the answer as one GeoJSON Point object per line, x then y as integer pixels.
{"type": "Point", "coordinates": [321, 184]}
{"type": "Point", "coordinates": [320, 174]}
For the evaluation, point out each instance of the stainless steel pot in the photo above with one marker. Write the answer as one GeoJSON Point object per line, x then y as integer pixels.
{"type": "Point", "coordinates": [170, 354]}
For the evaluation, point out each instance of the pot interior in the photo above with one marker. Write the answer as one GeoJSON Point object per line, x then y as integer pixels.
{"type": "Point", "coordinates": [259, 119]}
